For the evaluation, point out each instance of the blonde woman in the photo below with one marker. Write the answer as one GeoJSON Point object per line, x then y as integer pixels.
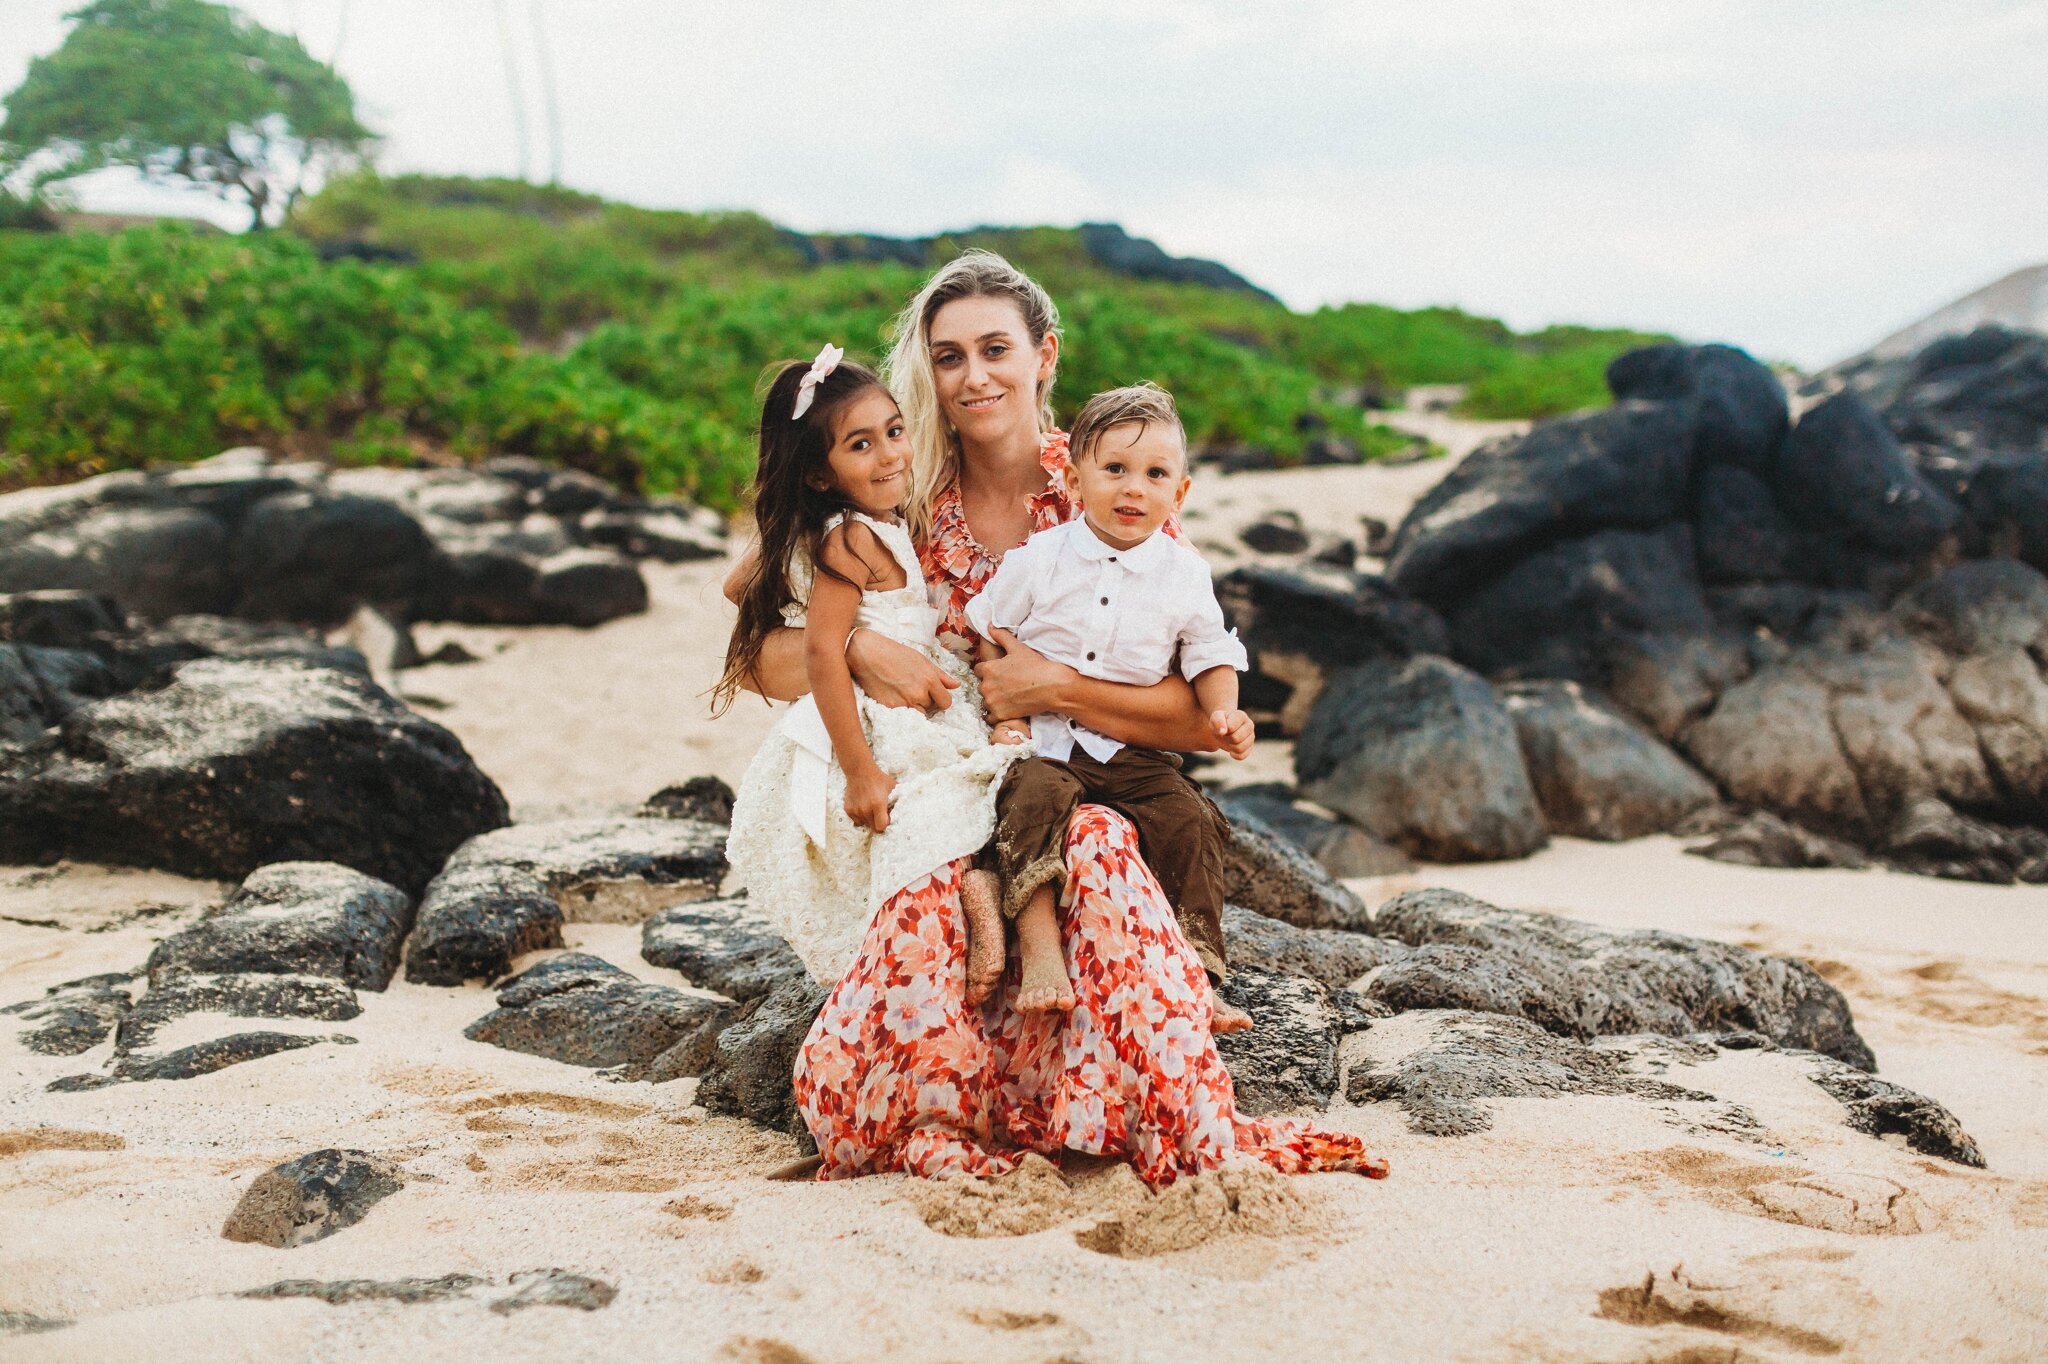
{"type": "Point", "coordinates": [899, 1072]}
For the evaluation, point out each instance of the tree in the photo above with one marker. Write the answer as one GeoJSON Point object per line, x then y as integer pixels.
{"type": "Point", "coordinates": [184, 90]}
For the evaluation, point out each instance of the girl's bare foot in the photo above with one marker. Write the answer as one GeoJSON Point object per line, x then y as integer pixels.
{"type": "Point", "coordinates": [981, 898]}
{"type": "Point", "coordinates": [1227, 1017]}
{"type": "Point", "coordinates": [1045, 987]}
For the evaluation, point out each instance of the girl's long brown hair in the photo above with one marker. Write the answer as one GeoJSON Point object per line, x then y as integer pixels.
{"type": "Point", "coordinates": [789, 511]}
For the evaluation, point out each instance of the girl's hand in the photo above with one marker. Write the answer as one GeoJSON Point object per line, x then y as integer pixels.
{"type": "Point", "coordinates": [1233, 731]}
{"type": "Point", "coordinates": [1023, 682]}
{"type": "Point", "coordinates": [867, 798]}
{"type": "Point", "coordinates": [896, 674]}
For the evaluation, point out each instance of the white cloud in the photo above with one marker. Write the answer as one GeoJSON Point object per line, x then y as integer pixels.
{"type": "Point", "coordinates": [1796, 177]}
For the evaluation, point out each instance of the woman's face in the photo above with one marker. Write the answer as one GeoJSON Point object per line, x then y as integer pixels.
{"type": "Point", "coordinates": [986, 369]}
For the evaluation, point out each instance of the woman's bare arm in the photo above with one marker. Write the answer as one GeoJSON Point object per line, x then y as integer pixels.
{"type": "Point", "coordinates": [893, 674]}
{"type": "Point", "coordinates": [1024, 682]}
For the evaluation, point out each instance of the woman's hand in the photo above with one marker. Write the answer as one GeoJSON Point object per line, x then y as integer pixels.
{"type": "Point", "coordinates": [1023, 682]}
{"type": "Point", "coordinates": [896, 674]}
{"type": "Point", "coordinates": [867, 798]}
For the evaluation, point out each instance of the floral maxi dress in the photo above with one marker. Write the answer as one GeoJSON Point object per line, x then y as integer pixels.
{"type": "Point", "coordinates": [899, 1073]}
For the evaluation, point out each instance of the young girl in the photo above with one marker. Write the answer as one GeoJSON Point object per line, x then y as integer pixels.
{"type": "Point", "coordinates": [849, 801]}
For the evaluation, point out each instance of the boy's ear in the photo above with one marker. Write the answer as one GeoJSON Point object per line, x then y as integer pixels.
{"type": "Point", "coordinates": [1180, 495]}
{"type": "Point", "coordinates": [1072, 479]}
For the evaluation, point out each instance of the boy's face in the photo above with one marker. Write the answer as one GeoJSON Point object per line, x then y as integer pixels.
{"type": "Point", "coordinates": [1134, 478]}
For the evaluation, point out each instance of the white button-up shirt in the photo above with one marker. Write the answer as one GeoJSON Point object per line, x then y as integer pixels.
{"type": "Point", "coordinates": [1115, 614]}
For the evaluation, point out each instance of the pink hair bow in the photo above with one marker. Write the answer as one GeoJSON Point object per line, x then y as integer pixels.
{"type": "Point", "coordinates": [807, 388]}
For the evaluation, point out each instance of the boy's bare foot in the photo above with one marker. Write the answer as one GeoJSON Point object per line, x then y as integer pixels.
{"type": "Point", "coordinates": [1045, 987]}
{"type": "Point", "coordinates": [981, 898]}
{"type": "Point", "coordinates": [1227, 1017]}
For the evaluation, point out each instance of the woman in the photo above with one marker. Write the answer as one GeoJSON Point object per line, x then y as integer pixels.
{"type": "Point", "coordinates": [898, 1072]}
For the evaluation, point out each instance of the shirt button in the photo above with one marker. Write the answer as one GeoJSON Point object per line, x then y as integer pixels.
{"type": "Point", "coordinates": [1091, 655]}
{"type": "Point", "coordinates": [1105, 601]}
{"type": "Point", "coordinates": [1112, 558]}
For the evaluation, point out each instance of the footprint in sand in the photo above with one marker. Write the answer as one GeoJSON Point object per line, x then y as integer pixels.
{"type": "Point", "coordinates": [761, 1350]}
{"type": "Point", "coordinates": [20, 1141]}
{"type": "Point", "coordinates": [1788, 1311]}
{"type": "Point", "coordinates": [1844, 1201]}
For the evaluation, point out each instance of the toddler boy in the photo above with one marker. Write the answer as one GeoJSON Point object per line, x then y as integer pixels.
{"type": "Point", "coordinates": [1113, 596]}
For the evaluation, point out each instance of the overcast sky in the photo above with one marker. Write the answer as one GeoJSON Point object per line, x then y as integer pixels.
{"type": "Point", "coordinates": [1796, 176]}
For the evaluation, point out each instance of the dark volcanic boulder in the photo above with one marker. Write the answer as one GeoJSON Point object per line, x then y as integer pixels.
{"type": "Point", "coordinates": [1742, 533]}
{"type": "Point", "coordinates": [312, 918]}
{"type": "Point", "coordinates": [1552, 614]}
{"type": "Point", "coordinates": [1463, 1057]}
{"type": "Point", "coordinates": [1842, 738]}
{"type": "Point", "coordinates": [1842, 473]}
{"type": "Point", "coordinates": [1741, 404]}
{"type": "Point", "coordinates": [76, 1016]}
{"type": "Point", "coordinates": [1332, 956]}
{"type": "Point", "coordinates": [509, 892]}
{"type": "Point", "coordinates": [475, 920]}
{"type": "Point", "coordinates": [156, 561]}
{"type": "Point", "coordinates": [1577, 980]}
{"type": "Point", "coordinates": [749, 1074]}
{"type": "Point", "coordinates": [236, 763]}
{"type": "Point", "coordinates": [1976, 393]}
{"type": "Point", "coordinates": [236, 995]}
{"type": "Point", "coordinates": [1669, 680]}
{"type": "Point", "coordinates": [587, 1012]}
{"type": "Point", "coordinates": [2007, 504]}
{"type": "Point", "coordinates": [1423, 755]}
{"type": "Point", "coordinates": [1271, 876]}
{"type": "Point", "coordinates": [720, 945]}
{"type": "Point", "coordinates": [1286, 1062]}
{"type": "Point", "coordinates": [1300, 624]}
{"type": "Point", "coordinates": [1340, 849]}
{"type": "Point", "coordinates": [312, 1197]}
{"type": "Point", "coordinates": [1629, 465]}
{"type": "Point", "coordinates": [1597, 775]}
{"type": "Point", "coordinates": [314, 557]}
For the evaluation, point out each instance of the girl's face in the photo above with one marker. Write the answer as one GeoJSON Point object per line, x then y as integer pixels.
{"type": "Point", "coordinates": [986, 369]}
{"type": "Point", "coordinates": [870, 454]}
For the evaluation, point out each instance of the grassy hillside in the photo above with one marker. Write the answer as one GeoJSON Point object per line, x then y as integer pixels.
{"type": "Point", "coordinates": [414, 316]}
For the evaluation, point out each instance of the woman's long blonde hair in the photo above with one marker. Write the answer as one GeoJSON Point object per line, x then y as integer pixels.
{"type": "Point", "coordinates": [934, 445]}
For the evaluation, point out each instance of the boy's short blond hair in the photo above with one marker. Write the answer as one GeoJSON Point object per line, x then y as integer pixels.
{"type": "Point", "coordinates": [1142, 403]}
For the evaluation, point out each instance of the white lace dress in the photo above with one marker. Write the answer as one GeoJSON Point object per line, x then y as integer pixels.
{"type": "Point", "coordinates": [816, 875]}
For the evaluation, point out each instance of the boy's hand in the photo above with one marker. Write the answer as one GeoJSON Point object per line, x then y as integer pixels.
{"type": "Point", "coordinates": [1012, 732]}
{"type": "Point", "coordinates": [1233, 731]}
{"type": "Point", "coordinates": [867, 798]}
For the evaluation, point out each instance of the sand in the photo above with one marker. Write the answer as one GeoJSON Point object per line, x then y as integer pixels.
{"type": "Point", "coordinates": [1575, 1229]}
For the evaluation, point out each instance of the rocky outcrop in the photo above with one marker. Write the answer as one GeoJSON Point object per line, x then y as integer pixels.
{"type": "Point", "coordinates": [748, 1073]}
{"type": "Point", "coordinates": [1628, 466]}
{"type": "Point", "coordinates": [584, 1011]}
{"type": "Point", "coordinates": [310, 918]}
{"type": "Point", "coordinates": [1268, 874]}
{"type": "Point", "coordinates": [720, 945]}
{"type": "Point", "coordinates": [1302, 623]}
{"type": "Point", "coordinates": [508, 892]}
{"type": "Point", "coordinates": [1579, 981]}
{"type": "Point", "coordinates": [242, 534]}
{"type": "Point", "coordinates": [1766, 597]}
{"type": "Point", "coordinates": [75, 1016]}
{"type": "Point", "coordinates": [213, 751]}
{"type": "Point", "coordinates": [1331, 957]}
{"type": "Point", "coordinates": [1597, 774]}
{"type": "Point", "coordinates": [1340, 848]}
{"type": "Point", "coordinates": [1422, 755]}
{"type": "Point", "coordinates": [312, 1197]}
{"type": "Point", "coordinates": [1455, 1058]}
{"type": "Point", "coordinates": [1288, 1061]}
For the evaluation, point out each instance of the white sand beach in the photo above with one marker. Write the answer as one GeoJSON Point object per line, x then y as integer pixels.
{"type": "Point", "coordinates": [1577, 1228]}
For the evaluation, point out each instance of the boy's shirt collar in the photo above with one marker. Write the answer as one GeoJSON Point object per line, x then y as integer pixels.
{"type": "Point", "coordinates": [1142, 557]}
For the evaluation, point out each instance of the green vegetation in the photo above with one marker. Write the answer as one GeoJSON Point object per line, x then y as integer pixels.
{"type": "Point", "coordinates": [465, 316]}
{"type": "Point", "coordinates": [183, 90]}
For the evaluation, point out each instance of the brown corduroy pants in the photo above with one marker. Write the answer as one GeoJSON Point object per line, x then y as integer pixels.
{"type": "Point", "coordinates": [1180, 832]}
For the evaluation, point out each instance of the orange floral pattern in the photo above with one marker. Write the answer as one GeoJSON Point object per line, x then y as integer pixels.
{"type": "Point", "coordinates": [899, 1073]}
